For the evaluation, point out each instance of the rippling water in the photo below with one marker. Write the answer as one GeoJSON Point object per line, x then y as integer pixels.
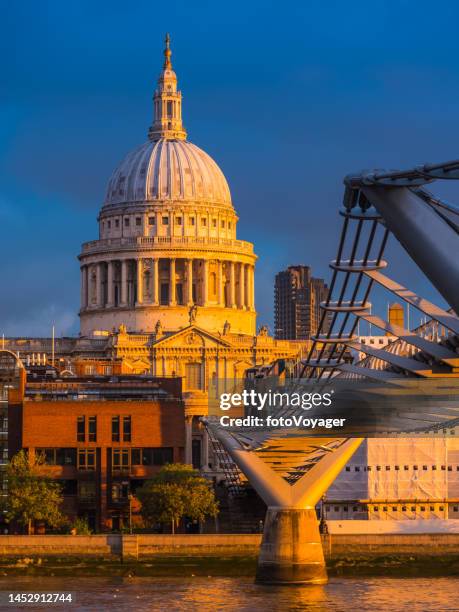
{"type": "Point", "coordinates": [215, 594]}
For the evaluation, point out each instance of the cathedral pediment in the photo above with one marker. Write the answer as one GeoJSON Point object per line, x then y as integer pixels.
{"type": "Point", "coordinates": [193, 336]}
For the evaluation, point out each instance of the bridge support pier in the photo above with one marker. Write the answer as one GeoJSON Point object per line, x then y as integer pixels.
{"type": "Point", "coordinates": [291, 549]}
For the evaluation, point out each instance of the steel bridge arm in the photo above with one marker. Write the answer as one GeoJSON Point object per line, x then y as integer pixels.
{"type": "Point", "coordinates": [405, 363]}
{"type": "Point", "coordinates": [433, 349]}
{"type": "Point", "coordinates": [445, 318]}
{"type": "Point", "coordinates": [424, 234]}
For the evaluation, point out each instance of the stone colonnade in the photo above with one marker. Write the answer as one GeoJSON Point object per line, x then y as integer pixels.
{"type": "Point", "coordinates": [167, 281]}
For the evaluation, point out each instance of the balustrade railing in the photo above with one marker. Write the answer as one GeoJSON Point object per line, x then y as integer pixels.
{"type": "Point", "coordinates": [178, 241]}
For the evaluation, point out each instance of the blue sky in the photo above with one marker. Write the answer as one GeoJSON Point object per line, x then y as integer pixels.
{"type": "Point", "coordinates": [287, 97]}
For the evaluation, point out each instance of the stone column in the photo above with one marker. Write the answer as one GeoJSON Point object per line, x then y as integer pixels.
{"type": "Point", "coordinates": [155, 280]}
{"type": "Point", "coordinates": [189, 282]}
{"type": "Point", "coordinates": [139, 281]}
{"type": "Point", "coordinates": [110, 291]}
{"type": "Point", "coordinates": [252, 287]}
{"type": "Point", "coordinates": [232, 299]}
{"type": "Point", "coordinates": [247, 285]}
{"type": "Point", "coordinates": [248, 293]}
{"type": "Point", "coordinates": [84, 287]}
{"type": "Point", "coordinates": [205, 282]}
{"type": "Point", "coordinates": [188, 439]}
{"type": "Point", "coordinates": [124, 264]}
{"type": "Point", "coordinates": [221, 299]}
{"type": "Point", "coordinates": [172, 301]}
{"type": "Point", "coordinates": [241, 286]}
{"type": "Point", "coordinates": [99, 298]}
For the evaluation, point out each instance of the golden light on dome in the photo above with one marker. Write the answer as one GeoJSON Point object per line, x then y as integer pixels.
{"type": "Point", "coordinates": [167, 239]}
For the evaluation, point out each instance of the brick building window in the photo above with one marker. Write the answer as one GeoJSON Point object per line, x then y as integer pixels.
{"type": "Point", "coordinates": [92, 429]}
{"type": "Point", "coordinates": [87, 490]}
{"type": "Point", "coordinates": [81, 427]}
{"type": "Point", "coordinates": [152, 456]}
{"type": "Point", "coordinates": [127, 429]}
{"type": "Point", "coordinates": [120, 491]}
{"type": "Point", "coordinates": [115, 429]}
{"type": "Point", "coordinates": [125, 422]}
{"type": "Point", "coordinates": [58, 456]}
{"type": "Point", "coordinates": [151, 220]}
{"type": "Point", "coordinates": [121, 459]}
{"type": "Point", "coordinates": [86, 459]}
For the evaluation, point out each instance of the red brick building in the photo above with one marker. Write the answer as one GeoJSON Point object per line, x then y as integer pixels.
{"type": "Point", "coordinates": [102, 438]}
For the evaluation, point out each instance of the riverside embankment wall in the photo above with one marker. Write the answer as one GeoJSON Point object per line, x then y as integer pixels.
{"type": "Point", "coordinates": [221, 545]}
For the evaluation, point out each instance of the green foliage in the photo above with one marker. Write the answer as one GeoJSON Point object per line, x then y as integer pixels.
{"type": "Point", "coordinates": [176, 491]}
{"type": "Point", "coordinates": [32, 496]}
{"type": "Point", "coordinates": [80, 526]}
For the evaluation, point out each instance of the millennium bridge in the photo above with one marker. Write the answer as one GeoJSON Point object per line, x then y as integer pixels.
{"type": "Point", "coordinates": [290, 469]}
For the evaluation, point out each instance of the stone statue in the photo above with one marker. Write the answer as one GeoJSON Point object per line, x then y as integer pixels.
{"type": "Point", "coordinates": [192, 312]}
{"type": "Point", "coordinates": [226, 328]}
{"type": "Point", "coordinates": [263, 331]}
{"type": "Point", "coordinates": [159, 330]}
{"type": "Point", "coordinates": [122, 329]}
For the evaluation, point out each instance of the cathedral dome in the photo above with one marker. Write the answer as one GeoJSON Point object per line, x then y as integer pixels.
{"type": "Point", "coordinates": [167, 170]}
{"type": "Point", "coordinates": [167, 250]}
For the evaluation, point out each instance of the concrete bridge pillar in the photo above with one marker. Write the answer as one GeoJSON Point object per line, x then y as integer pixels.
{"type": "Point", "coordinates": [291, 549]}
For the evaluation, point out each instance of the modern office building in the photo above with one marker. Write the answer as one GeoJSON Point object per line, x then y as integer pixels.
{"type": "Point", "coordinates": [297, 298]}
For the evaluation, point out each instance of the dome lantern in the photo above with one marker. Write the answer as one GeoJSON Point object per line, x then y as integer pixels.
{"type": "Point", "coordinates": [167, 103]}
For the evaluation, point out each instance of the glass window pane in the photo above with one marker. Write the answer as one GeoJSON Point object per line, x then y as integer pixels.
{"type": "Point", "coordinates": [81, 429]}
{"type": "Point", "coordinates": [136, 458]}
{"type": "Point", "coordinates": [127, 428]}
{"type": "Point", "coordinates": [116, 429]}
{"type": "Point", "coordinates": [92, 429]}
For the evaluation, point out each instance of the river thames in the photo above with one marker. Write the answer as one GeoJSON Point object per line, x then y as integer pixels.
{"type": "Point", "coordinates": [214, 594]}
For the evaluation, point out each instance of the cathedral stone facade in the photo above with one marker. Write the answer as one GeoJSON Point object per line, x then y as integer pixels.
{"type": "Point", "coordinates": [168, 285]}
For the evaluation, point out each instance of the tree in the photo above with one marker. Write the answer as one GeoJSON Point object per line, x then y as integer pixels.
{"type": "Point", "coordinates": [176, 491]}
{"type": "Point", "coordinates": [32, 495]}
